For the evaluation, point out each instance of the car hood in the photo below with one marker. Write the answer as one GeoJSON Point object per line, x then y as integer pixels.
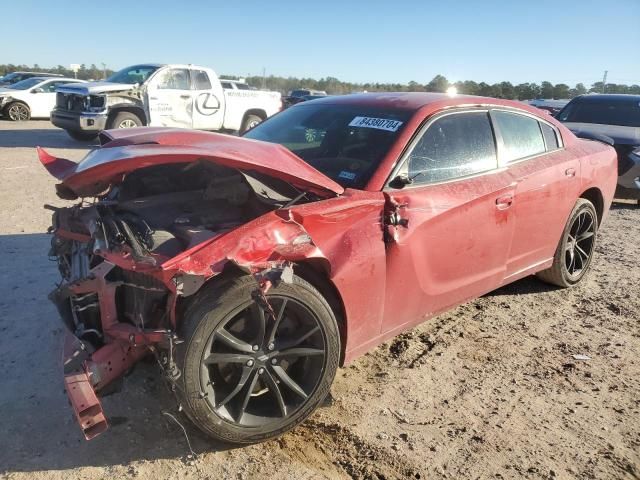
{"type": "Point", "coordinates": [126, 150]}
{"type": "Point", "coordinates": [92, 88]}
{"type": "Point", "coordinates": [619, 134]}
{"type": "Point", "coordinates": [7, 91]}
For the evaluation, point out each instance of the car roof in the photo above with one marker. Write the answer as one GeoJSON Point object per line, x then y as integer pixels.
{"type": "Point", "coordinates": [411, 101]}
{"type": "Point", "coordinates": [56, 78]}
{"type": "Point", "coordinates": [43, 74]}
{"type": "Point", "coordinates": [608, 97]}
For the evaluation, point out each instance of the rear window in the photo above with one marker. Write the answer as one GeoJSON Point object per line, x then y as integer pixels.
{"type": "Point", "coordinates": [521, 135]}
{"type": "Point", "coordinates": [201, 80]}
{"type": "Point", "coordinates": [550, 137]}
{"type": "Point", "coordinates": [624, 113]}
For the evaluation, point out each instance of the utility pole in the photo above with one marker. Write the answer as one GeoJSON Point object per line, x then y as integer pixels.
{"type": "Point", "coordinates": [264, 75]}
{"type": "Point", "coordinates": [104, 70]}
{"type": "Point", "coordinates": [604, 81]}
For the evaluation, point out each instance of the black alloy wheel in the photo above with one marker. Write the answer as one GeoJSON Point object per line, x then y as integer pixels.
{"type": "Point", "coordinates": [263, 361]}
{"type": "Point", "coordinates": [575, 250]}
{"type": "Point", "coordinates": [580, 243]}
{"type": "Point", "coordinates": [253, 366]}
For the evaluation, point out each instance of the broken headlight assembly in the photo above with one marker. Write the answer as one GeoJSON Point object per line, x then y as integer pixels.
{"type": "Point", "coordinates": [94, 103]}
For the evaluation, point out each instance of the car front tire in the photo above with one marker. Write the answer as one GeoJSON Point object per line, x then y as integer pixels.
{"type": "Point", "coordinates": [252, 370]}
{"type": "Point", "coordinates": [17, 112]}
{"type": "Point", "coordinates": [126, 120]}
{"type": "Point", "coordinates": [574, 253]}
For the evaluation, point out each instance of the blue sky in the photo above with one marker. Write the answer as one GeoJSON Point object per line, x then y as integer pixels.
{"type": "Point", "coordinates": [376, 41]}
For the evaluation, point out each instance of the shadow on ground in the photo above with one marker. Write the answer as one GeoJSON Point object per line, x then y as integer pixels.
{"type": "Point", "coordinates": [39, 137]}
{"type": "Point", "coordinates": [38, 430]}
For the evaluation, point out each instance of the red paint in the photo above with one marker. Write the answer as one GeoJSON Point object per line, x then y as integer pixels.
{"type": "Point", "coordinates": [453, 241]}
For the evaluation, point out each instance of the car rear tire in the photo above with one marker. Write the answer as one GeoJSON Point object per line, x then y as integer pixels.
{"type": "Point", "coordinates": [126, 120]}
{"type": "Point", "coordinates": [81, 136]}
{"type": "Point", "coordinates": [249, 122]}
{"type": "Point", "coordinates": [17, 112]}
{"type": "Point", "coordinates": [575, 251]}
{"type": "Point", "coordinates": [250, 373]}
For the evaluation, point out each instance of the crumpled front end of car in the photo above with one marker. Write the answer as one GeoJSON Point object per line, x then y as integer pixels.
{"type": "Point", "coordinates": [131, 256]}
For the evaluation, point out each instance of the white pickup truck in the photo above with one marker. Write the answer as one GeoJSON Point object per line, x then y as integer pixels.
{"type": "Point", "coordinates": [186, 96]}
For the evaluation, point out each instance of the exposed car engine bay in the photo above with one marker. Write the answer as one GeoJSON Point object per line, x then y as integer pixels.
{"type": "Point", "coordinates": [152, 215]}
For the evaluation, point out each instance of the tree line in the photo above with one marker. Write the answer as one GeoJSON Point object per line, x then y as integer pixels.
{"type": "Point", "coordinates": [439, 83]}
{"type": "Point", "coordinates": [334, 86]}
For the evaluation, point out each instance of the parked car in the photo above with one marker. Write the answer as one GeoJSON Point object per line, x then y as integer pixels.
{"type": "Point", "coordinates": [186, 96]}
{"type": "Point", "coordinates": [550, 105]}
{"type": "Point", "coordinates": [253, 267]}
{"type": "Point", "coordinates": [15, 77]}
{"type": "Point", "coordinates": [614, 119]}
{"type": "Point", "coordinates": [34, 97]}
{"type": "Point", "coordinates": [301, 95]}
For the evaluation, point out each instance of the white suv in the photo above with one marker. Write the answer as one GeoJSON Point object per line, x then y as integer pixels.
{"type": "Point", "coordinates": [31, 98]}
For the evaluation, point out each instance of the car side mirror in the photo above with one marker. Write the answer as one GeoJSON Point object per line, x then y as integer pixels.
{"type": "Point", "coordinates": [37, 90]}
{"type": "Point", "coordinates": [401, 180]}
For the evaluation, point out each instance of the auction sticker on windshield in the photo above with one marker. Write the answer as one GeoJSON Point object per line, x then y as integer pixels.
{"type": "Point", "coordinates": [379, 123]}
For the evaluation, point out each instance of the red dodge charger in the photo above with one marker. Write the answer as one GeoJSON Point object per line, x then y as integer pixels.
{"type": "Point", "coordinates": [251, 268]}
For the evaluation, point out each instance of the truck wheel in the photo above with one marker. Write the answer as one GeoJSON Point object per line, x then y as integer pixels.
{"type": "Point", "coordinates": [81, 136]}
{"type": "Point", "coordinates": [18, 111]}
{"type": "Point", "coordinates": [249, 122]}
{"type": "Point", "coordinates": [126, 120]}
{"type": "Point", "coordinates": [250, 372]}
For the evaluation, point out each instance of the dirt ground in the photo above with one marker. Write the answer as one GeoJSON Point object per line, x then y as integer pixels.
{"type": "Point", "coordinates": [488, 390]}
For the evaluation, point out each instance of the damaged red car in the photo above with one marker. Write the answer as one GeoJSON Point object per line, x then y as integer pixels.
{"type": "Point", "coordinates": [251, 268]}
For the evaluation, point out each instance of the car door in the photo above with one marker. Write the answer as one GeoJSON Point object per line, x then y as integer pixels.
{"type": "Point", "coordinates": [170, 98]}
{"type": "Point", "coordinates": [547, 178]}
{"type": "Point", "coordinates": [42, 98]}
{"type": "Point", "coordinates": [453, 224]}
{"type": "Point", "coordinates": [208, 111]}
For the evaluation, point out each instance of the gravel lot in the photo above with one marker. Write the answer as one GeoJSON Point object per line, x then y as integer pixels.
{"type": "Point", "coordinates": [489, 390]}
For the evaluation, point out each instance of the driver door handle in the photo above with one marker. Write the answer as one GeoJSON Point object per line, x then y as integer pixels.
{"type": "Point", "coordinates": [185, 96]}
{"type": "Point", "coordinates": [503, 202]}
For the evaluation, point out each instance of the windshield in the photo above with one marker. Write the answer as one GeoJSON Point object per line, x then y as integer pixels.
{"type": "Point", "coordinates": [10, 77]}
{"type": "Point", "coordinates": [132, 75]}
{"type": "Point", "coordinates": [345, 142]}
{"type": "Point", "coordinates": [25, 84]}
{"type": "Point", "coordinates": [299, 93]}
{"type": "Point", "coordinates": [621, 112]}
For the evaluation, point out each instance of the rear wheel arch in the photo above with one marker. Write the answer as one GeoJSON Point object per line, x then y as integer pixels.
{"type": "Point", "coordinates": [257, 112]}
{"type": "Point", "coordinates": [594, 195]}
{"type": "Point", "coordinates": [251, 118]}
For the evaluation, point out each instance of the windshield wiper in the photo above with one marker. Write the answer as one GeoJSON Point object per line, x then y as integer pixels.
{"type": "Point", "coordinates": [294, 200]}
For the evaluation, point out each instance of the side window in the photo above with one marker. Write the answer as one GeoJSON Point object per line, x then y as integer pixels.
{"type": "Point", "coordinates": [550, 137]}
{"type": "Point", "coordinates": [453, 146]}
{"type": "Point", "coordinates": [174, 79]}
{"type": "Point", "coordinates": [49, 87]}
{"type": "Point", "coordinates": [227, 85]}
{"type": "Point", "coordinates": [521, 135]}
{"type": "Point", "coordinates": [201, 80]}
